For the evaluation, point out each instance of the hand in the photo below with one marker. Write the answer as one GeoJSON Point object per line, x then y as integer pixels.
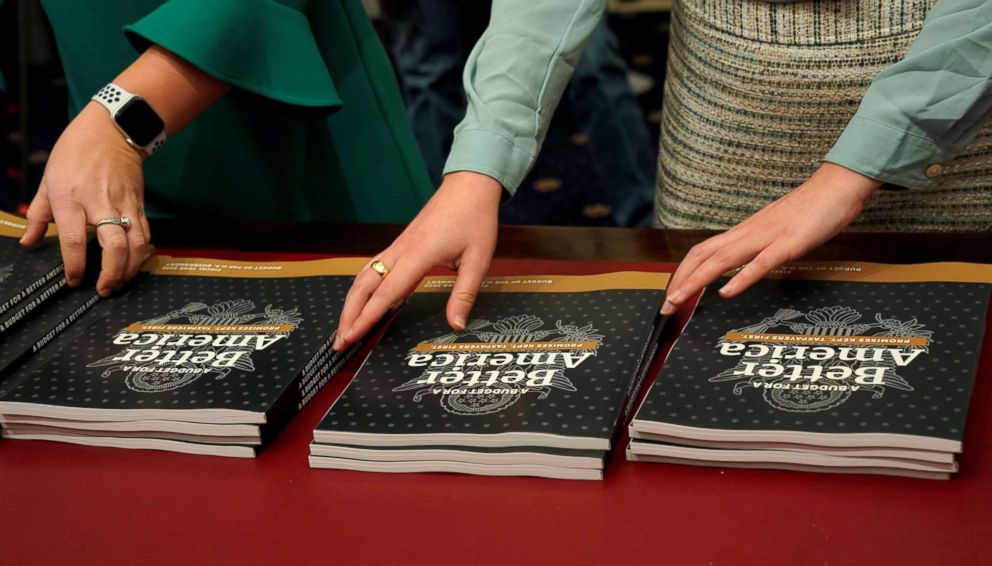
{"type": "Point", "coordinates": [456, 229]}
{"type": "Point", "coordinates": [93, 174]}
{"type": "Point", "coordinates": [782, 231]}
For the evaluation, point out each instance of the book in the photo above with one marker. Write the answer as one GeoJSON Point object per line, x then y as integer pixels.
{"type": "Point", "coordinates": [542, 375]}
{"type": "Point", "coordinates": [820, 361]}
{"type": "Point", "coordinates": [553, 472]}
{"type": "Point", "coordinates": [194, 346]}
{"type": "Point", "coordinates": [885, 471]}
{"type": "Point", "coordinates": [806, 458]}
{"type": "Point", "coordinates": [25, 271]}
{"type": "Point", "coordinates": [543, 456]}
{"type": "Point", "coordinates": [866, 451]}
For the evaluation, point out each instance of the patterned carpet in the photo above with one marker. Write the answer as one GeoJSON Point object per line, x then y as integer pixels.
{"type": "Point", "coordinates": [561, 190]}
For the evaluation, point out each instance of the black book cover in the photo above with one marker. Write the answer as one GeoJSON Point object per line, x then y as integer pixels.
{"type": "Point", "coordinates": [546, 360]}
{"type": "Point", "coordinates": [198, 340]}
{"type": "Point", "coordinates": [25, 271]}
{"type": "Point", "coordinates": [833, 354]}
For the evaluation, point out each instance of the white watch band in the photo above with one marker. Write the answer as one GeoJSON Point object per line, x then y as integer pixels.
{"type": "Point", "coordinates": [113, 97]}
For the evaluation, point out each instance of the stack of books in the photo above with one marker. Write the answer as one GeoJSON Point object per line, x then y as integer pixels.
{"type": "Point", "coordinates": [200, 356]}
{"type": "Point", "coordinates": [538, 384]}
{"type": "Point", "coordinates": [829, 367]}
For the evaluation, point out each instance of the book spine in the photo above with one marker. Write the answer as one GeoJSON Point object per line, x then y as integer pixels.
{"type": "Point", "coordinates": [65, 323]}
{"type": "Point", "coordinates": [26, 309]}
{"type": "Point", "coordinates": [37, 284]}
{"type": "Point", "coordinates": [316, 372]}
{"type": "Point", "coordinates": [642, 370]}
{"type": "Point", "coordinates": [640, 374]}
{"type": "Point", "coordinates": [321, 367]}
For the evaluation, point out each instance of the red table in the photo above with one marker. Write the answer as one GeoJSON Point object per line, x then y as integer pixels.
{"type": "Point", "coordinates": [71, 504]}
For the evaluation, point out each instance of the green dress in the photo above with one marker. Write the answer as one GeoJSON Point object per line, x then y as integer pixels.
{"type": "Point", "coordinates": [314, 128]}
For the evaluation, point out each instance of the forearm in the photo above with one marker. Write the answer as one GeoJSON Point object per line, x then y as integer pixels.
{"type": "Point", "coordinates": [514, 79]}
{"type": "Point", "coordinates": [177, 90]}
{"type": "Point", "coordinates": [921, 112]}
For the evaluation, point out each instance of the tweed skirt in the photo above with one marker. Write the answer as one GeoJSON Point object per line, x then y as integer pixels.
{"type": "Point", "coordinates": [757, 93]}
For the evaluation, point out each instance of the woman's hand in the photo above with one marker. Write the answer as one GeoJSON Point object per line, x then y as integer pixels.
{"type": "Point", "coordinates": [456, 229]}
{"type": "Point", "coordinates": [782, 231]}
{"type": "Point", "coordinates": [91, 175]}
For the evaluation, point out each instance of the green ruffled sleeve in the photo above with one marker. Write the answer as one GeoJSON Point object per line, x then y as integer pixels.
{"type": "Point", "coordinates": [262, 46]}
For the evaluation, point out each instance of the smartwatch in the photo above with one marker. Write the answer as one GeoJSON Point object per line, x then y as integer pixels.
{"type": "Point", "coordinates": [134, 117]}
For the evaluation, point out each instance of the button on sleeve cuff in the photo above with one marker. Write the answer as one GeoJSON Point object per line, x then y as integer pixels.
{"type": "Point", "coordinates": [888, 153]}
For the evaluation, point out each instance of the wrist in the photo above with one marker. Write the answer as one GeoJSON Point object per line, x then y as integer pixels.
{"type": "Point", "coordinates": [98, 126]}
{"type": "Point", "coordinates": [481, 186]}
{"type": "Point", "coordinates": [175, 88]}
{"type": "Point", "coordinates": [842, 179]}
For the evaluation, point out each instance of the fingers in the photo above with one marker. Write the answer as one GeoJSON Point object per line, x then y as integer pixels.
{"type": "Point", "coordinates": [113, 267]}
{"type": "Point", "coordinates": [770, 258]}
{"type": "Point", "coordinates": [389, 293]}
{"type": "Point", "coordinates": [71, 220]}
{"type": "Point", "coordinates": [137, 241]}
{"type": "Point", "coordinates": [720, 262]}
{"type": "Point", "coordinates": [39, 215]}
{"type": "Point", "coordinates": [700, 254]}
{"type": "Point", "coordinates": [358, 296]}
{"type": "Point", "coordinates": [471, 271]}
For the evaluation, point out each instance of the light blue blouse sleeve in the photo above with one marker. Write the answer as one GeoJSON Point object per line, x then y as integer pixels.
{"type": "Point", "coordinates": [514, 79]}
{"type": "Point", "coordinates": [921, 112]}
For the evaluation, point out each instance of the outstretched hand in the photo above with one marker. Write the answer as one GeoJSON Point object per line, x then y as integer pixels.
{"type": "Point", "coordinates": [782, 231]}
{"type": "Point", "coordinates": [93, 175]}
{"type": "Point", "coordinates": [456, 229]}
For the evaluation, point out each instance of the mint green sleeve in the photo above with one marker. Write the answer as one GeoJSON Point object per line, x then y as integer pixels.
{"type": "Point", "coordinates": [514, 78]}
{"type": "Point", "coordinates": [266, 47]}
{"type": "Point", "coordinates": [921, 112]}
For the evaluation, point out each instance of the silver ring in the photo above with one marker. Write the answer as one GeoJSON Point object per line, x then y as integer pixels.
{"type": "Point", "coordinates": [122, 221]}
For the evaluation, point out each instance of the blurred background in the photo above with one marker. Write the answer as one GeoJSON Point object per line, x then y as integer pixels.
{"type": "Point", "coordinates": [597, 167]}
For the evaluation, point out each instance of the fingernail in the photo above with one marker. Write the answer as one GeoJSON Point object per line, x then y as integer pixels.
{"type": "Point", "coordinates": [21, 241]}
{"type": "Point", "coordinates": [727, 289]}
{"type": "Point", "coordinates": [459, 322]}
{"type": "Point", "coordinates": [674, 298]}
{"type": "Point", "coordinates": [667, 308]}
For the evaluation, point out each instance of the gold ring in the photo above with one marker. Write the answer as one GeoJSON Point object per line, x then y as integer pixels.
{"type": "Point", "coordinates": [379, 267]}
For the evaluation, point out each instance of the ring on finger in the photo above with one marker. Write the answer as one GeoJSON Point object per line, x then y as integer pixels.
{"type": "Point", "coordinates": [379, 267]}
{"type": "Point", "coordinates": [122, 221]}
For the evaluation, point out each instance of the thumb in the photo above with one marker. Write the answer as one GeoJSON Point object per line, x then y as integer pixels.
{"type": "Point", "coordinates": [39, 215]}
{"type": "Point", "coordinates": [471, 271]}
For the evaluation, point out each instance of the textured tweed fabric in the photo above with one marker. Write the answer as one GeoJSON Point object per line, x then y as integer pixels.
{"type": "Point", "coordinates": [757, 93]}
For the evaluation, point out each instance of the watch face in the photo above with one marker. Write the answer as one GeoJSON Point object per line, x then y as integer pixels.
{"type": "Point", "coordinates": [139, 122]}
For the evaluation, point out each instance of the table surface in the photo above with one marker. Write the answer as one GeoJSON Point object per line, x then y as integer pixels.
{"type": "Point", "coordinates": [73, 504]}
